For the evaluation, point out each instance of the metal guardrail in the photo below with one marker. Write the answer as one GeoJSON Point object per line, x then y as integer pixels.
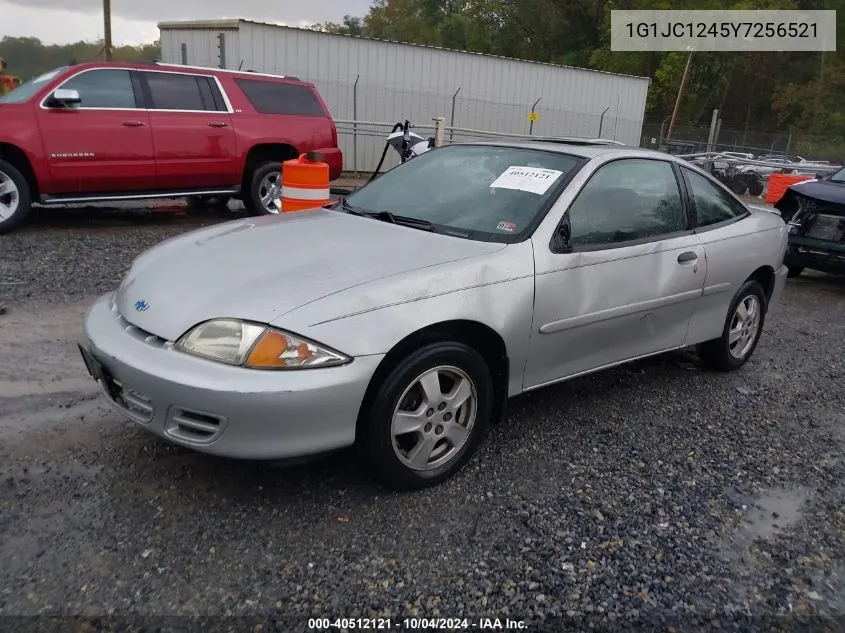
{"type": "Point", "coordinates": [380, 130]}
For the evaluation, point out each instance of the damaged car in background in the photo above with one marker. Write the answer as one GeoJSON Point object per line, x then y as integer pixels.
{"type": "Point", "coordinates": [814, 210]}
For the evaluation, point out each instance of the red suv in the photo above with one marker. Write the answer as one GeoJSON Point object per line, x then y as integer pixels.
{"type": "Point", "coordinates": [112, 131]}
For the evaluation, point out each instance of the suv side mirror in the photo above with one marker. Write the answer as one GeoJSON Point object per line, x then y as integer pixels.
{"type": "Point", "coordinates": [64, 97]}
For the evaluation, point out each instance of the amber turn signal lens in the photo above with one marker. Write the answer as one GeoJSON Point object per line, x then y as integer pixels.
{"type": "Point", "coordinates": [268, 351]}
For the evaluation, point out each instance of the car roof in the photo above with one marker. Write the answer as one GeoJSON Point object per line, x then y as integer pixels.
{"type": "Point", "coordinates": [584, 148]}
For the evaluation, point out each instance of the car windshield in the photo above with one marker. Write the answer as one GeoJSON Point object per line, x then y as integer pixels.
{"type": "Point", "coordinates": [26, 90]}
{"type": "Point", "coordinates": [839, 176]}
{"type": "Point", "coordinates": [480, 192]}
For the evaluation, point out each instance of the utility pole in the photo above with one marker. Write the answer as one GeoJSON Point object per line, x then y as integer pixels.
{"type": "Point", "coordinates": [678, 99]}
{"type": "Point", "coordinates": [107, 29]}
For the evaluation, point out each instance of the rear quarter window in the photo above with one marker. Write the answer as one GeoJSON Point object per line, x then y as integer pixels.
{"type": "Point", "coordinates": [269, 97]}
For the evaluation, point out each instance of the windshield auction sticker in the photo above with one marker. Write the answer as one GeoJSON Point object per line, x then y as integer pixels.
{"type": "Point", "coordinates": [531, 179]}
{"type": "Point", "coordinates": [722, 31]}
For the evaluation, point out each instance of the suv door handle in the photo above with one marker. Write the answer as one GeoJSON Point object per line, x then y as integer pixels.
{"type": "Point", "coordinates": [133, 123]}
{"type": "Point", "coordinates": [689, 256]}
{"type": "Point", "coordinates": [217, 124]}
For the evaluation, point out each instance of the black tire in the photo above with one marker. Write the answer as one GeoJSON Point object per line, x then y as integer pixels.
{"type": "Point", "coordinates": [21, 197]}
{"type": "Point", "coordinates": [252, 195]}
{"type": "Point", "coordinates": [737, 184]}
{"type": "Point", "coordinates": [755, 186]}
{"type": "Point", "coordinates": [214, 203]}
{"type": "Point", "coordinates": [376, 439]}
{"type": "Point", "coordinates": [794, 271]}
{"type": "Point", "coordinates": [717, 353]}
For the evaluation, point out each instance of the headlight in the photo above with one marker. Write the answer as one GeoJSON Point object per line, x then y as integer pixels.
{"type": "Point", "coordinates": [256, 346]}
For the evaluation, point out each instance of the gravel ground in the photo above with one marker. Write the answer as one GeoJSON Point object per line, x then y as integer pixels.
{"type": "Point", "coordinates": [655, 496]}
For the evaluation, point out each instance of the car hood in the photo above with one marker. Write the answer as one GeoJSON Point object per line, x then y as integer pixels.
{"type": "Point", "coordinates": [260, 269]}
{"type": "Point", "coordinates": [822, 190]}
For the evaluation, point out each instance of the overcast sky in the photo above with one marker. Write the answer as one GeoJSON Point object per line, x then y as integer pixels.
{"type": "Point", "coordinates": [134, 22]}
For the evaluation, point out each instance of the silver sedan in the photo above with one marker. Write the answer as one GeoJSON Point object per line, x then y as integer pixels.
{"type": "Point", "coordinates": [401, 318]}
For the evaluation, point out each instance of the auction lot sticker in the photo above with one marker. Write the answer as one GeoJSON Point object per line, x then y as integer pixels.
{"type": "Point", "coordinates": [531, 179]}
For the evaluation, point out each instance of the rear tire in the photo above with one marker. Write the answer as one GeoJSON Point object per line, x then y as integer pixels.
{"type": "Point", "coordinates": [15, 197]}
{"type": "Point", "coordinates": [755, 186]}
{"type": "Point", "coordinates": [443, 428]}
{"type": "Point", "coordinates": [794, 271]}
{"type": "Point", "coordinates": [741, 332]}
{"type": "Point", "coordinates": [260, 197]}
{"type": "Point", "coordinates": [737, 184]}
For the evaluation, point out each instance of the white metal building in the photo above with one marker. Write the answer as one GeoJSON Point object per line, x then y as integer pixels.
{"type": "Point", "coordinates": [380, 81]}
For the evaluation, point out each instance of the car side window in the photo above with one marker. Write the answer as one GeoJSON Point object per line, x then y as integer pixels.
{"type": "Point", "coordinates": [712, 204]}
{"type": "Point", "coordinates": [103, 88]}
{"type": "Point", "coordinates": [627, 200]}
{"type": "Point", "coordinates": [173, 91]}
{"type": "Point", "coordinates": [269, 97]}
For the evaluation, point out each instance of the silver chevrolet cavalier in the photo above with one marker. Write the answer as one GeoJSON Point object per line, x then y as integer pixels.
{"type": "Point", "coordinates": [401, 318]}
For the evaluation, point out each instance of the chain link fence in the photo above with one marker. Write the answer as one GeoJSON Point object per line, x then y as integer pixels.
{"type": "Point", "coordinates": [366, 112]}
{"type": "Point", "coordinates": [693, 139]}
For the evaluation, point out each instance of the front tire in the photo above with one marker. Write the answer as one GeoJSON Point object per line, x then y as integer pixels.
{"type": "Point", "coordinates": [15, 197]}
{"type": "Point", "coordinates": [794, 271]}
{"type": "Point", "coordinates": [428, 416]}
{"type": "Point", "coordinates": [741, 332]}
{"type": "Point", "coordinates": [264, 189]}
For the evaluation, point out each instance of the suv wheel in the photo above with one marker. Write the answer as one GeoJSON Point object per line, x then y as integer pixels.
{"type": "Point", "coordinates": [264, 189]}
{"type": "Point", "coordinates": [15, 199]}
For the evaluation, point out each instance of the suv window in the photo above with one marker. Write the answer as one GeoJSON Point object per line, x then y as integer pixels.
{"type": "Point", "coordinates": [626, 200]}
{"type": "Point", "coordinates": [103, 88]}
{"type": "Point", "coordinates": [173, 91]}
{"type": "Point", "coordinates": [26, 90]}
{"type": "Point", "coordinates": [712, 204]}
{"type": "Point", "coordinates": [269, 97]}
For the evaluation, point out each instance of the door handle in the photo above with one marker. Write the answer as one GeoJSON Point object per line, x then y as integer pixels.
{"type": "Point", "coordinates": [217, 124]}
{"type": "Point", "coordinates": [133, 123]}
{"type": "Point", "coordinates": [689, 256]}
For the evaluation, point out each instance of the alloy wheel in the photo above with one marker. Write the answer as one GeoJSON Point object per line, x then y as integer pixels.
{"type": "Point", "coordinates": [270, 192]}
{"type": "Point", "coordinates": [9, 197]}
{"type": "Point", "coordinates": [434, 418]}
{"type": "Point", "coordinates": [744, 327]}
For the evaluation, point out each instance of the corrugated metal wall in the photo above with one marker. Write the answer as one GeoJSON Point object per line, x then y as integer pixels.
{"type": "Point", "coordinates": [202, 46]}
{"type": "Point", "coordinates": [399, 81]}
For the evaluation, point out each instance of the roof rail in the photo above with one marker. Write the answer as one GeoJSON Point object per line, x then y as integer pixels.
{"type": "Point", "coordinates": [223, 70]}
{"type": "Point", "coordinates": [576, 140]}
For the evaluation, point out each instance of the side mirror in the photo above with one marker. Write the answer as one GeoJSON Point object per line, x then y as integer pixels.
{"type": "Point", "coordinates": [64, 97]}
{"type": "Point", "coordinates": [561, 243]}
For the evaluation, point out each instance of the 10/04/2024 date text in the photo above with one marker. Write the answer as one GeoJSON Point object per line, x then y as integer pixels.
{"type": "Point", "coordinates": [416, 624]}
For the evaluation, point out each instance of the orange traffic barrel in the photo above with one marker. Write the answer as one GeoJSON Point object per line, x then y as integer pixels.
{"type": "Point", "coordinates": [778, 183]}
{"type": "Point", "coordinates": [305, 183]}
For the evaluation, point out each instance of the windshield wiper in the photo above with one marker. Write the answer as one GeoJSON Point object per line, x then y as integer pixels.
{"type": "Point", "coordinates": [387, 216]}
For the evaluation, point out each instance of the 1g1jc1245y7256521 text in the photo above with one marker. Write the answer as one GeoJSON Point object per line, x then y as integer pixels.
{"type": "Point", "coordinates": [723, 29]}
